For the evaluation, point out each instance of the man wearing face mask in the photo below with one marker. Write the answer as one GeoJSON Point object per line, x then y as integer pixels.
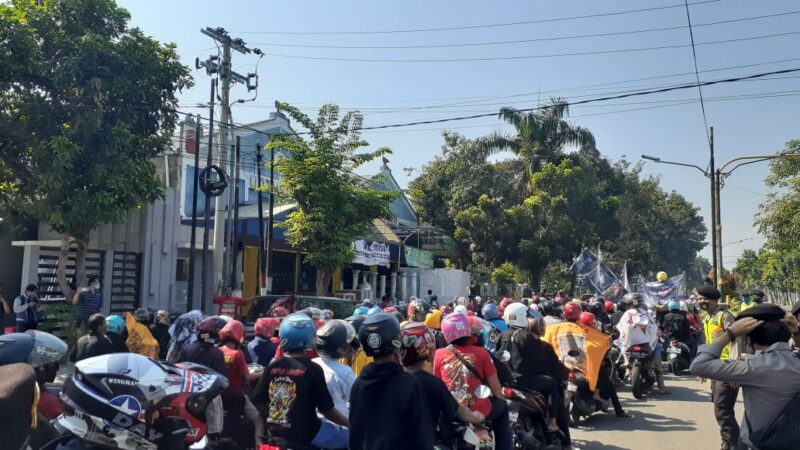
{"type": "Point", "coordinates": [723, 394]}
{"type": "Point", "coordinates": [89, 300]}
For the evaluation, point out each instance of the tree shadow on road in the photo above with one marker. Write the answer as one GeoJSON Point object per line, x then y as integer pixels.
{"type": "Point", "coordinates": [641, 422]}
{"type": "Point", "coordinates": [594, 445]}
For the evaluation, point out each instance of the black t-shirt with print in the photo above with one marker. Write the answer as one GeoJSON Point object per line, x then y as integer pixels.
{"type": "Point", "coordinates": [293, 389]}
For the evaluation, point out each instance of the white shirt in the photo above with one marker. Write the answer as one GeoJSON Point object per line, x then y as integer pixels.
{"type": "Point", "coordinates": [339, 379]}
{"type": "Point", "coordinates": [636, 326]}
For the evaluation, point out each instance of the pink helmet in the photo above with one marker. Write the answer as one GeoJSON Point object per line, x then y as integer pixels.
{"type": "Point", "coordinates": [455, 326]}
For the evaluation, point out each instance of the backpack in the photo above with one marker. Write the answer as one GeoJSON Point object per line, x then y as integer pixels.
{"type": "Point", "coordinates": [783, 432]}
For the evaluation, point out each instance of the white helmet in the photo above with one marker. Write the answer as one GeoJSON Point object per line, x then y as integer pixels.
{"type": "Point", "coordinates": [460, 309]}
{"type": "Point", "coordinates": [516, 315]}
{"type": "Point", "coordinates": [461, 300]}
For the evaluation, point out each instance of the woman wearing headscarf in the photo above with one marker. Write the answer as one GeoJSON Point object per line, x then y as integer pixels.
{"type": "Point", "coordinates": [183, 332]}
{"type": "Point", "coordinates": [160, 330]}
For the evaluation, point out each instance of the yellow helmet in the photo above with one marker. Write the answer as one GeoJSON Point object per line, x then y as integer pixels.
{"type": "Point", "coordinates": [661, 276]}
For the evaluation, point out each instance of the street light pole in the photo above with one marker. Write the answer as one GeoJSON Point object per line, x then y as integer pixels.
{"type": "Point", "coordinates": [714, 209]}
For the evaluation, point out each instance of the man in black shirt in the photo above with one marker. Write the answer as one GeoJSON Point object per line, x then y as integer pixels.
{"type": "Point", "coordinates": [419, 346]}
{"type": "Point", "coordinates": [204, 350]}
{"type": "Point", "coordinates": [388, 409]}
{"type": "Point", "coordinates": [292, 390]}
{"type": "Point", "coordinates": [95, 343]}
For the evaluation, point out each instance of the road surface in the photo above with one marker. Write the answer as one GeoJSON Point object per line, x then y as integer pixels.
{"type": "Point", "coordinates": [683, 420]}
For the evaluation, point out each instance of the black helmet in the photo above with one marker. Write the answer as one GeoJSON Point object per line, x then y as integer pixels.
{"type": "Point", "coordinates": [356, 321]}
{"type": "Point", "coordinates": [208, 329]}
{"type": "Point", "coordinates": [380, 335]}
{"type": "Point", "coordinates": [549, 308]}
{"type": "Point", "coordinates": [15, 348]}
{"type": "Point", "coordinates": [333, 338]}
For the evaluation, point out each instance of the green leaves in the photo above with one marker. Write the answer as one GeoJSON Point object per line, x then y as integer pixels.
{"type": "Point", "coordinates": [335, 206]}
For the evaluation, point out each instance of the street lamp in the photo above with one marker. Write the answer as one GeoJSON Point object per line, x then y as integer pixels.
{"type": "Point", "coordinates": [718, 177]}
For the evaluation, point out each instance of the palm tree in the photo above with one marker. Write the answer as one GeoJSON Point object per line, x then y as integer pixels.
{"type": "Point", "coordinates": [541, 135]}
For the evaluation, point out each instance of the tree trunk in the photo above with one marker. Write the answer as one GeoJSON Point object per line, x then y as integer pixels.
{"type": "Point", "coordinates": [80, 266]}
{"type": "Point", "coordinates": [323, 280]}
{"type": "Point", "coordinates": [61, 269]}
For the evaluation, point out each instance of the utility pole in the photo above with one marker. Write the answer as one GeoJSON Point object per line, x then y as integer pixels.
{"type": "Point", "coordinates": [193, 238]}
{"type": "Point", "coordinates": [714, 203]}
{"type": "Point", "coordinates": [271, 211]}
{"type": "Point", "coordinates": [262, 277]}
{"type": "Point", "coordinates": [223, 214]}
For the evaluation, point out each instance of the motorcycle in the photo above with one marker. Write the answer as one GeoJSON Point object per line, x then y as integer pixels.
{"type": "Point", "coordinates": [643, 376]}
{"type": "Point", "coordinates": [579, 399]}
{"type": "Point", "coordinates": [679, 357]}
{"type": "Point", "coordinates": [527, 412]}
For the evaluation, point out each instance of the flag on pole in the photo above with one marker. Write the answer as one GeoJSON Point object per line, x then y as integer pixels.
{"type": "Point", "coordinates": [624, 277]}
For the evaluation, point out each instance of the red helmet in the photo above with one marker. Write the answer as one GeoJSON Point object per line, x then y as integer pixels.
{"type": "Point", "coordinates": [418, 344]}
{"type": "Point", "coordinates": [233, 331]}
{"type": "Point", "coordinates": [609, 306]}
{"type": "Point", "coordinates": [572, 312]}
{"type": "Point", "coordinates": [267, 326]}
{"type": "Point", "coordinates": [587, 319]}
{"type": "Point", "coordinates": [445, 309]}
{"type": "Point", "coordinates": [470, 313]}
{"type": "Point", "coordinates": [505, 302]}
{"type": "Point", "coordinates": [280, 311]}
{"type": "Point", "coordinates": [390, 309]}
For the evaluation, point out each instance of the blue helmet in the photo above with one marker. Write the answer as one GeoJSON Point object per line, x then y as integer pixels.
{"type": "Point", "coordinates": [373, 310]}
{"type": "Point", "coordinates": [115, 323]}
{"type": "Point", "coordinates": [15, 348]}
{"type": "Point", "coordinates": [361, 311]}
{"type": "Point", "coordinates": [490, 311]}
{"type": "Point", "coordinates": [296, 332]}
{"type": "Point", "coordinates": [673, 305]}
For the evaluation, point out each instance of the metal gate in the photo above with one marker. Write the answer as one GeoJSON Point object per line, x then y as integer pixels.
{"type": "Point", "coordinates": [48, 264]}
{"type": "Point", "coordinates": [126, 282]}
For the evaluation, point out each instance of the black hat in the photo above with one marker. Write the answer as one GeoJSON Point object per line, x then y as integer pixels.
{"type": "Point", "coordinates": [757, 293]}
{"type": "Point", "coordinates": [17, 390]}
{"type": "Point", "coordinates": [709, 292]}
{"type": "Point", "coordinates": [764, 311]}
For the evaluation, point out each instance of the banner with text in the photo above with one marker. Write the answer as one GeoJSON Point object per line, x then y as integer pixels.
{"type": "Point", "coordinates": [656, 293]}
{"type": "Point", "coordinates": [418, 258]}
{"type": "Point", "coordinates": [371, 254]}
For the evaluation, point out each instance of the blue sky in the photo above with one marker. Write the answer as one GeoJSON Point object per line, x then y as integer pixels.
{"type": "Point", "coordinates": [669, 125]}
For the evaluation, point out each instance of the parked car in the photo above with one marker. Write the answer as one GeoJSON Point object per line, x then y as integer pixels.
{"type": "Point", "coordinates": [260, 307]}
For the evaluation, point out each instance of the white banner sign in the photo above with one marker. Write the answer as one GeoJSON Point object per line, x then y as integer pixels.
{"type": "Point", "coordinates": [371, 254]}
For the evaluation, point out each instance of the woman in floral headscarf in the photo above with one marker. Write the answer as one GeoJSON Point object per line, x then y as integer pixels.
{"type": "Point", "coordinates": [183, 332]}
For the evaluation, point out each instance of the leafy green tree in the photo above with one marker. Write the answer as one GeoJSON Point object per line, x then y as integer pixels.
{"type": "Point", "coordinates": [335, 206]}
{"type": "Point", "coordinates": [85, 103]}
{"type": "Point", "coordinates": [778, 220]}
{"type": "Point", "coordinates": [540, 136]}
{"type": "Point", "coordinates": [749, 269]}
{"type": "Point", "coordinates": [508, 273]}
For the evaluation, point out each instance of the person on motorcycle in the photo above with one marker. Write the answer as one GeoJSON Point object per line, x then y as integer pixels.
{"type": "Point", "coordinates": [116, 333]}
{"type": "Point", "coordinates": [434, 321]}
{"type": "Point", "coordinates": [93, 343]}
{"type": "Point", "coordinates": [637, 326]}
{"type": "Point", "coordinates": [334, 341]}
{"type": "Point", "coordinates": [492, 315]}
{"type": "Point", "coordinates": [535, 365]}
{"type": "Point", "coordinates": [388, 409]}
{"type": "Point", "coordinates": [551, 310]}
{"type": "Point", "coordinates": [417, 310]}
{"type": "Point", "coordinates": [464, 368]}
{"type": "Point", "coordinates": [140, 339]}
{"type": "Point", "coordinates": [605, 387]}
{"type": "Point", "coordinates": [416, 352]}
{"type": "Point", "coordinates": [234, 400]}
{"type": "Point", "coordinates": [676, 324]}
{"type": "Point", "coordinates": [262, 348]}
{"type": "Point", "coordinates": [292, 389]}
{"type": "Point", "coordinates": [204, 350]}
{"type": "Point", "coordinates": [357, 359]}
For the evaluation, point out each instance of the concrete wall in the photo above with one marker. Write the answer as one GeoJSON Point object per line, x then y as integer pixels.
{"type": "Point", "coordinates": [445, 283]}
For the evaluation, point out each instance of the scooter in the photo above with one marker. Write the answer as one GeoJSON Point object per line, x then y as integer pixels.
{"type": "Point", "coordinates": [643, 376]}
{"type": "Point", "coordinates": [527, 411]}
{"type": "Point", "coordinates": [679, 357]}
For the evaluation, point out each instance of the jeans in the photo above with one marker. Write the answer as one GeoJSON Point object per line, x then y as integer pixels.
{"type": "Point", "coordinates": [498, 416]}
{"type": "Point", "coordinates": [724, 397]}
{"type": "Point", "coordinates": [331, 436]}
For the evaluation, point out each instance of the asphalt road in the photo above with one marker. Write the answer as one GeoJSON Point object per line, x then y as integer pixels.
{"type": "Point", "coordinates": [683, 420]}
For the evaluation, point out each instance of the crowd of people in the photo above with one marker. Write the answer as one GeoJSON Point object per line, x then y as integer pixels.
{"type": "Point", "coordinates": [392, 377]}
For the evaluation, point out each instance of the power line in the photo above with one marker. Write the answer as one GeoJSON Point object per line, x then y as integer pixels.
{"type": "Point", "coordinates": [581, 102]}
{"type": "Point", "coordinates": [518, 57]}
{"type": "Point", "coordinates": [472, 27]}
{"type": "Point", "coordinates": [520, 41]}
{"type": "Point", "coordinates": [697, 74]}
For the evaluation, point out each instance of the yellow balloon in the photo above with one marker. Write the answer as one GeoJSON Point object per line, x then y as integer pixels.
{"type": "Point", "coordinates": [662, 277]}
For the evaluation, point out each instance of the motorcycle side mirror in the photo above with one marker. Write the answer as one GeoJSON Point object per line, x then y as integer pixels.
{"type": "Point", "coordinates": [505, 356]}
{"type": "Point", "coordinates": [483, 391]}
